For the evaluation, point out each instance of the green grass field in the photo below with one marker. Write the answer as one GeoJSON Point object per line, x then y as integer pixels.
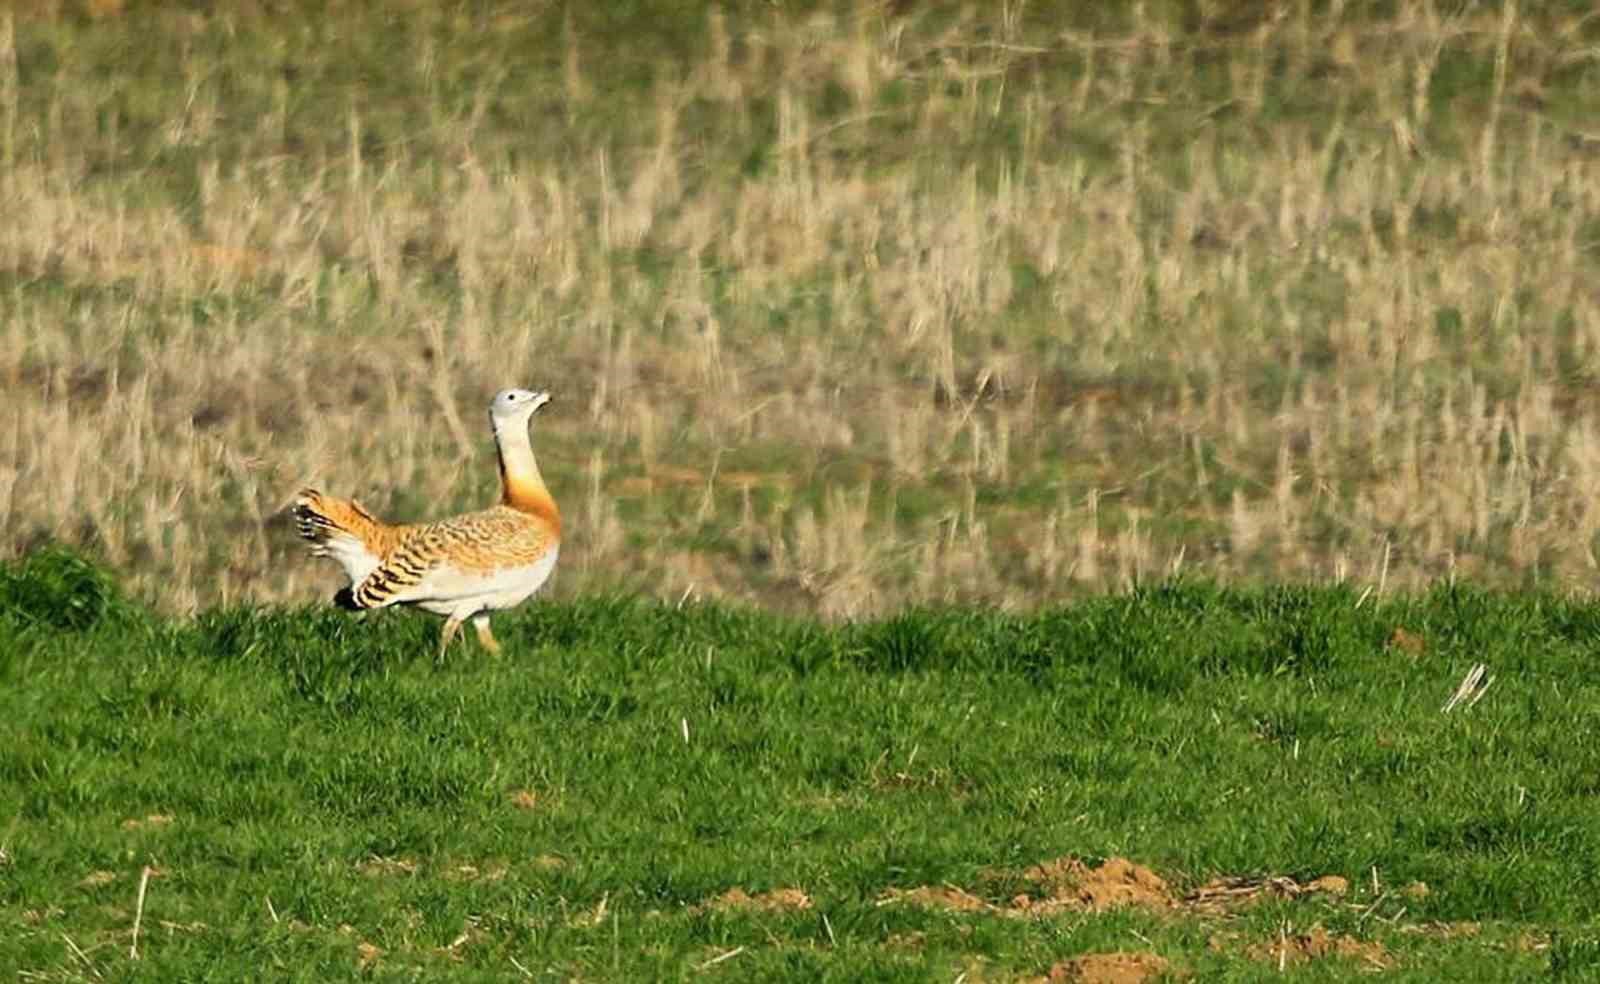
{"type": "Point", "coordinates": [318, 799]}
{"type": "Point", "coordinates": [1033, 475]}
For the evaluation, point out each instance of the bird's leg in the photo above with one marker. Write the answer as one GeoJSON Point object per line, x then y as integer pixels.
{"type": "Point", "coordinates": [485, 637]}
{"type": "Point", "coordinates": [452, 625]}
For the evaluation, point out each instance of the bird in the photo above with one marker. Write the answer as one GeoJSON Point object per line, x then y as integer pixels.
{"type": "Point", "coordinates": [463, 567]}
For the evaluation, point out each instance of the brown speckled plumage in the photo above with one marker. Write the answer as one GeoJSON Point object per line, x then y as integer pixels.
{"type": "Point", "coordinates": [462, 567]}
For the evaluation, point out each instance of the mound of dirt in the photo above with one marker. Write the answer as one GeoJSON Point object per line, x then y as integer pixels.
{"type": "Point", "coordinates": [777, 900]}
{"type": "Point", "coordinates": [1318, 944]}
{"type": "Point", "coordinates": [946, 897]}
{"type": "Point", "coordinates": [1407, 641]}
{"type": "Point", "coordinates": [1068, 884]}
{"type": "Point", "coordinates": [367, 954]}
{"type": "Point", "coordinates": [1220, 894]}
{"type": "Point", "coordinates": [1116, 882]}
{"type": "Point", "coordinates": [1106, 968]}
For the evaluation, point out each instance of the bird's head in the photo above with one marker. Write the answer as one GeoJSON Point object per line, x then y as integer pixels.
{"type": "Point", "coordinates": [514, 407]}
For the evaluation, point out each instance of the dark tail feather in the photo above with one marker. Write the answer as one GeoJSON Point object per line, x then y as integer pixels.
{"type": "Point", "coordinates": [346, 599]}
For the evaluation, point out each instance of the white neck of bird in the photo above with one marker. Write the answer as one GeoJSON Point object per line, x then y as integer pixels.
{"type": "Point", "coordinates": [521, 485]}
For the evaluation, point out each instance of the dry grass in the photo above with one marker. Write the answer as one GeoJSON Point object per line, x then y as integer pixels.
{"type": "Point", "coordinates": [842, 311]}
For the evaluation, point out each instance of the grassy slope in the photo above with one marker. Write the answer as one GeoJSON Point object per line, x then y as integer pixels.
{"type": "Point", "coordinates": [328, 785]}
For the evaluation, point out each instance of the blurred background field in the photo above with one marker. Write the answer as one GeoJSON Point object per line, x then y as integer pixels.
{"type": "Point", "coordinates": [845, 306]}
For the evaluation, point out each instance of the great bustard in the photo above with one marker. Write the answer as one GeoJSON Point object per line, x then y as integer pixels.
{"type": "Point", "coordinates": [462, 567]}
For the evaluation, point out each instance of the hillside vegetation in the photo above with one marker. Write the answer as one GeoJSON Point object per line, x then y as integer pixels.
{"type": "Point", "coordinates": [847, 306]}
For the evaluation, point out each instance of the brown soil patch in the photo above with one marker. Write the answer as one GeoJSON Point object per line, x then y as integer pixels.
{"type": "Point", "coordinates": [1107, 968]}
{"type": "Point", "coordinates": [1318, 944]}
{"type": "Point", "coordinates": [367, 954]}
{"type": "Point", "coordinates": [1115, 883]}
{"type": "Point", "coordinates": [777, 900]}
{"type": "Point", "coordinates": [1068, 884]}
{"type": "Point", "coordinates": [947, 897]}
{"type": "Point", "coordinates": [1408, 642]}
{"type": "Point", "coordinates": [1220, 894]}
